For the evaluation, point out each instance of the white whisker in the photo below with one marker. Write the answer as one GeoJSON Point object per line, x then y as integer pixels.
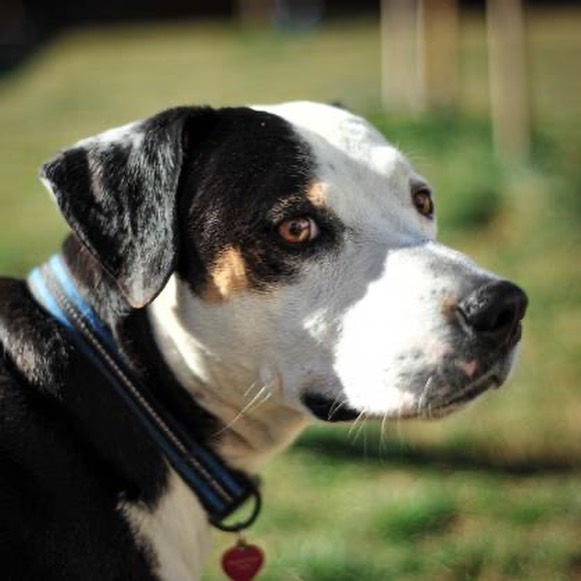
{"type": "Point", "coordinates": [356, 421]}
{"type": "Point", "coordinates": [425, 390]}
{"type": "Point", "coordinates": [361, 420]}
{"type": "Point", "coordinates": [250, 388]}
{"type": "Point", "coordinates": [382, 435]}
{"type": "Point", "coordinates": [336, 406]}
{"type": "Point", "coordinates": [398, 423]}
{"type": "Point", "coordinates": [247, 407]}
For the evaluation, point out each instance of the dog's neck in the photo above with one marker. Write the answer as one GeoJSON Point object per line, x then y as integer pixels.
{"type": "Point", "coordinates": [245, 396]}
{"type": "Point", "coordinates": [232, 407]}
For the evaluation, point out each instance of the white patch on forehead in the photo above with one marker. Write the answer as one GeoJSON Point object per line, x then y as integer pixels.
{"type": "Point", "coordinates": [129, 133]}
{"type": "Point", "coordinates": [351, 135]}
{"type": "Point", "coordinates": [366, 181]}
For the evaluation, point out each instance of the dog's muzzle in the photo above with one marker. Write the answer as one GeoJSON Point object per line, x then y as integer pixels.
{"type": "Point", "coordinates": [485, 330]}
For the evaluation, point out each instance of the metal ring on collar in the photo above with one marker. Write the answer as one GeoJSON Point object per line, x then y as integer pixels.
{"type": "Point", "coordinates": [244, 524]}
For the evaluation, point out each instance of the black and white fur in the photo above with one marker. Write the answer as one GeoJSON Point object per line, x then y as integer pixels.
{"type": "Point", "coordinates": [243, 335]}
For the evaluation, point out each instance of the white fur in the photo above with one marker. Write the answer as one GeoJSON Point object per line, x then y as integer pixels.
{"type": "Point", "coordinates": [176, 531]}
{"type": "Point", "coordinates": [128, 133]}
{"type": "Point", "coordinates": [365, 327]}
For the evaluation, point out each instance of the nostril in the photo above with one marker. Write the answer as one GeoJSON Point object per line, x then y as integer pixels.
{"type": "Point", "coordinates": [494, 310]}
{"type": "Point", "coordinates": [503, 318]}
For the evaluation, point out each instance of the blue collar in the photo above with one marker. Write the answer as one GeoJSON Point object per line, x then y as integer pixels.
{"type": "Point", "coordinates": [220, 489]}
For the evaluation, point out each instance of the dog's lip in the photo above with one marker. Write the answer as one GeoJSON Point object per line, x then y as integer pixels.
{"type": "Point", "coordinates": [489, 380]}
{"type": "Point", "coordinates": [329, 409]}
{"type": "Point", "coordinates": [515, 336]}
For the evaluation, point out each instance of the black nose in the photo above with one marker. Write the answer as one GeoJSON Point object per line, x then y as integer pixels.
{"type": "Point", "coordinates": [494, 311]}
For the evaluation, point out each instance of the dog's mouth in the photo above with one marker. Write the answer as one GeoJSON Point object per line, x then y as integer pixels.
{"type": "Point", "coordinates": [493, 379]}
{"type": "Point", "coordinates": [329, 409]}
{"type": "Point", "coordinates": [488, 381]}
{"type": "Point", "coordinates": [447, 389]}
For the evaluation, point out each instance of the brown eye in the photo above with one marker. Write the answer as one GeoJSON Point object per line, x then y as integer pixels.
{"type": "Point", "coordinates": [298, 230]}
{"type": "Point", "coordinates": [423, 203]}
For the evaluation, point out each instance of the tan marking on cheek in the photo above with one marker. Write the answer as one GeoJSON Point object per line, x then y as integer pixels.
{"type": "Point", "coordinates": [448, 306]}
{"type": "Point", "coordinates": [316, 195]}
{"type": "Point", "coordinates": [227, 277]}
{"type": "Point", "coordinates": [468, 367]}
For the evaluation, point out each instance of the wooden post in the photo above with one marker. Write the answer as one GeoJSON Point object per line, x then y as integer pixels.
{"type": "Point", "coordinates": [438, 51]}
{"type": "Point", "coordinates": [400, 87]}
{"type": "Point", "coordinates": [509, 91]}
{"type": "Point", "coordinates": [254, 13]}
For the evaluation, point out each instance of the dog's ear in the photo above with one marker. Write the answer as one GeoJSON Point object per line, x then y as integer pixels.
{"type": "Point", "coordinates": [118, 193]}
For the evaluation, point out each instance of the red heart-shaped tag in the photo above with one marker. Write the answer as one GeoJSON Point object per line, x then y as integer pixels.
{"type": "Point", "coordinates": [242, 562]}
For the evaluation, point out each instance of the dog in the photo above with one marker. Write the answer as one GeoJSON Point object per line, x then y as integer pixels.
{"type": "Point", "coordinates": [256, 268]}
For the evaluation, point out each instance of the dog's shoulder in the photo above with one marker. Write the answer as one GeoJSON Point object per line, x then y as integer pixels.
{"type": "Point", "coordinates": [33, 345]}
{"type": "Point", "coordinates": [57, 482]}
{"type": "Point", "coordinates": [33, 352]}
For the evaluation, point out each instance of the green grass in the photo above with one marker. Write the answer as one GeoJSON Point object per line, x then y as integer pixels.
{"type": "Point", "coordinates": [492, 493]}
{"type": "Point", "coordinates": [416, 516]}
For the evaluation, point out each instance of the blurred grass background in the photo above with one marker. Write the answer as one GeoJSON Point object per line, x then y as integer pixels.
{"type": "Point", "coordinates": [492, 493]}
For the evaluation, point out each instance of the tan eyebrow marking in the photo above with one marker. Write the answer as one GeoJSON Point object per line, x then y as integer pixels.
{"type": "Point", "coordinates": [317, 196]}
{"type": "Point", "coordinates": [227, 276]}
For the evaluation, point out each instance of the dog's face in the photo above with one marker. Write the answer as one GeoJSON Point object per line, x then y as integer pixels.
{"type": "Point", "coordinates": [300, 252]}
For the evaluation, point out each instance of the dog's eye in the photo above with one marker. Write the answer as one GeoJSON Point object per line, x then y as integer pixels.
{"type": "Point", "coordinates": [423, 203]}
{"type": "Point", "coordinates": [298, 230]}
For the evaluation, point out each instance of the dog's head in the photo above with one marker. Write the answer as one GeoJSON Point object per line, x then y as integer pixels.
{"type": "Point", "coordinates": [296, 248]}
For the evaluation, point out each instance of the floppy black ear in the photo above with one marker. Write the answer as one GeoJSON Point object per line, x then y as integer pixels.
{"type": "Point", "coordinates": [118, 193]}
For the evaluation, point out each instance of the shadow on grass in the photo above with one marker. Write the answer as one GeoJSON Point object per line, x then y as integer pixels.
{"type": "Point", "coordinates": [335, 444]}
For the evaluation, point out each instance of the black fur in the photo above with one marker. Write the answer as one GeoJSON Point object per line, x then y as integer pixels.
{"type": "Point", "coordinates": [120, 199]}
{"type": "Point", "coordinates": [244, 172]}
{"type": "Point", "coordinates": [195, 182]}
{"type": "Point", "coordinates": [68, 454]}
{"type": "Point", "coordinates": [252, 173]}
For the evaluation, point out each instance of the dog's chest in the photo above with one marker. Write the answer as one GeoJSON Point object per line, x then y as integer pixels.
{"type": "Point", "coordinates": [175, 533]}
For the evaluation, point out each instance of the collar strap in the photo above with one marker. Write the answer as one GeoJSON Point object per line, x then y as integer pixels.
{"type": "Point", "coordinates": [220, 489]}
